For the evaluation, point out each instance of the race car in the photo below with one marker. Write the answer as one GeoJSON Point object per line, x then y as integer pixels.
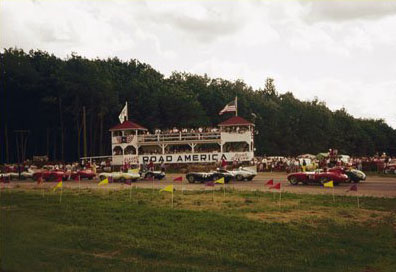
{"type": "Point", "coordinates": [243, 173]}
{"type": "Point", "coordinates": [390, 168]}
{"type": "Point", "coordinates": [201, 177]}
{"type": "Point", "coordinates": [5, 177]}
{"type": "Point", "coordinates": [24, 175]}
{"type": "Point", "coordinates": [119, 176]}
{"type": "Point", "coordinates": [318, 176]}
{"type": "Point", "coordinates": [51, 175]}
{"type": "Point", "coordinates": [152, 174]}
{"type": "Point", "coordinates": [85, 173]}
{"type": "Point", "coordinates": [354, 175]}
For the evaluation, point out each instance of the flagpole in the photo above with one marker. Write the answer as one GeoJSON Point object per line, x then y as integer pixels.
{"type": "Point", "coordinates": [236, 105]}
{"type": "Point", "coordinates": [280, 198]}
{"type": "Point", "coordinates": [60, 196]}
{"type": "Point", "coordinates": [172, 196]}
{"type": "Point", "coordinates": [79, 178]}
{"type": "Point", "coordinates": [182, 187]}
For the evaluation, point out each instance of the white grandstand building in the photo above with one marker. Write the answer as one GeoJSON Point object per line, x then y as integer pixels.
{"type": "Point", "coordinates": [231, 140]}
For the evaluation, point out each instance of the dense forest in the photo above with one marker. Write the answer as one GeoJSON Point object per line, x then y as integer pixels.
{"type": "Point", "coordinates": [45, 95]}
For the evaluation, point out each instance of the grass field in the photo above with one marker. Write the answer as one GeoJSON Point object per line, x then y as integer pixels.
{"type": "Point", "coordinates": [101, 230]}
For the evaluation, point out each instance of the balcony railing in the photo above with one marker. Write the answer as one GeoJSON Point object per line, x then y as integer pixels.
{"type": "Point", "coordinates": [179, 137]}
{"type": "Point", "coordinates": [123, 139]}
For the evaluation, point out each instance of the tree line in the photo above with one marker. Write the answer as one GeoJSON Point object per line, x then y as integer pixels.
{"type": "Point", "coordinates": [44, 96]}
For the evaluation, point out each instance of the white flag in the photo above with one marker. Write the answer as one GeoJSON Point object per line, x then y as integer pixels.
{"type": "Point", "coordinates": [124, 113]}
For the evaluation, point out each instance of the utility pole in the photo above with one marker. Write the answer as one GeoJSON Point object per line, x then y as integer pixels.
{"type": "Point", "coordinates": [85, 131]}
{"type": "Point", "coordinates": [7, 156]}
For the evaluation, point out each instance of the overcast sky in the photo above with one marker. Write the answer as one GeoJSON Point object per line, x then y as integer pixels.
{"type": "Point", "coordinates": [343, 52]}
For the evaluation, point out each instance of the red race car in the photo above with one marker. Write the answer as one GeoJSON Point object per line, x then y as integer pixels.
{"type": "Point", "coordinates": [318, 176]}
{"type": "Point", "coordinates": [50, 175]}
{"type": "Point", "coordinates": [86, 173]}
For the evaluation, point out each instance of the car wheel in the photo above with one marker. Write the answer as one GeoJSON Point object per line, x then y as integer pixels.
{"type": "Point", "coordinates": [250, 178]}
{"type": "Point", "coordinates": [149, 176]}
{"type": "Point", "coordinates": [214, 178]}
{"type": "Point", "coordinates": [239, 177]}
{"type": "Point", "coordinates": [349, 180]}
{"type": "Point", "coordinates": [323, 180]}
{"type": "Point", "coordinates": [122, 180]}
{"type": "Point", "coordinates": [191, 179]}
{"type": "Point", "coordinates": [293, 180]}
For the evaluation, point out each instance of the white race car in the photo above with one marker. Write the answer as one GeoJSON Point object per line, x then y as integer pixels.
{"type": "Point", "coordinates": [24, 175]}
{"type": "Point", "coordinates": [244, 173]}
{"type": "Point", "coordinates": [120, 176]}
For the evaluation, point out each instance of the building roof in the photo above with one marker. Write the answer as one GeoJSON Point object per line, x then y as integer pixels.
{"type": "Point", "coordinates": [235, 121]}
{"type": "Point", "coordinates": [127, 125]}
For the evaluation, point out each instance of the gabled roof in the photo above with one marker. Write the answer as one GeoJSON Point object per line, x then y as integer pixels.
{"type": "Point", "coordinates": [126, 125]}
{"type": "Point", "coordinates": [235, 121]}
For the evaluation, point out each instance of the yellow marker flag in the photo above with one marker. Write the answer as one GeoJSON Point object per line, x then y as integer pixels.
{"type": "Point", "coordinates": [220, 180]}
{"type": "Point", "coordinates": [59, 185]}
{"type": "Point", "coordinates": [134, 171]}
{"type": "Point", "coordinates": [104, 182]}
{"type": "Point", "coordinates": [168, 188]}
{"type": "Point", "coordinates": [329, 184]}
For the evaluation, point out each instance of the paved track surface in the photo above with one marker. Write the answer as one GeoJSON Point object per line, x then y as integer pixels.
{"type": "Point", "coordinates": [373, 186]}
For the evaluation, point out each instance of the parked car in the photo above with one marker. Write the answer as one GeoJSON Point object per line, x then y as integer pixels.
{"type": "Point", "coordinates": [5, 177]}
{"type": "Point", "coordinates": [201, 177]}
{"type": "Point", "coordinates": [354, 175]}
{"type": "Point", "coordinates": [243, 173]}
{"type": "Point", "coordinates": [24, 174]}
{"type": "Point", "coordinates": [119, 176]}
{"type": "Point", "coordinates": [318, 176]}
{"type": "Point", "coordinates": [390, 168]}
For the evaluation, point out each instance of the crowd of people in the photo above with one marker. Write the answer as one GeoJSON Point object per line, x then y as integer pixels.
{"type": "Point", "coordinates": [294, 164]}
{"type": "Point", "coordinates": [186, 130]}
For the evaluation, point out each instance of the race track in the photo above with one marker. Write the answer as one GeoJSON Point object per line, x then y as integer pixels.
{"type": "Point", "coordinates": [373, 186]}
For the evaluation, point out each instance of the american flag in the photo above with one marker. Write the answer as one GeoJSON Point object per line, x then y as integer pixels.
{"type": "Point", "coordinates": [230, 107]}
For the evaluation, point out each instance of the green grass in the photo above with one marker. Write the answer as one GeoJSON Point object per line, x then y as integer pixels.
{"type": "Point", "coordinates": [246, 231]}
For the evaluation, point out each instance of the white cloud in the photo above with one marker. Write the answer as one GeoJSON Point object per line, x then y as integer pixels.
{"type": "Point", "coordinates": [339, 51]}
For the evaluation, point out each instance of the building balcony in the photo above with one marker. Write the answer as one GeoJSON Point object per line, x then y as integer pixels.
{"type": "Point", "coordinates": [179, 137]}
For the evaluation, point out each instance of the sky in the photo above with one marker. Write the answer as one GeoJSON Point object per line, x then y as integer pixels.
{"type": "Point", "coordinates": [341, 52]}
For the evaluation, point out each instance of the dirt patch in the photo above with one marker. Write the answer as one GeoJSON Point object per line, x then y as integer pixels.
{"type": "Point", "coordinates": [108, 255]}
{"type": "Point", "coordinates": [341, 216]}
